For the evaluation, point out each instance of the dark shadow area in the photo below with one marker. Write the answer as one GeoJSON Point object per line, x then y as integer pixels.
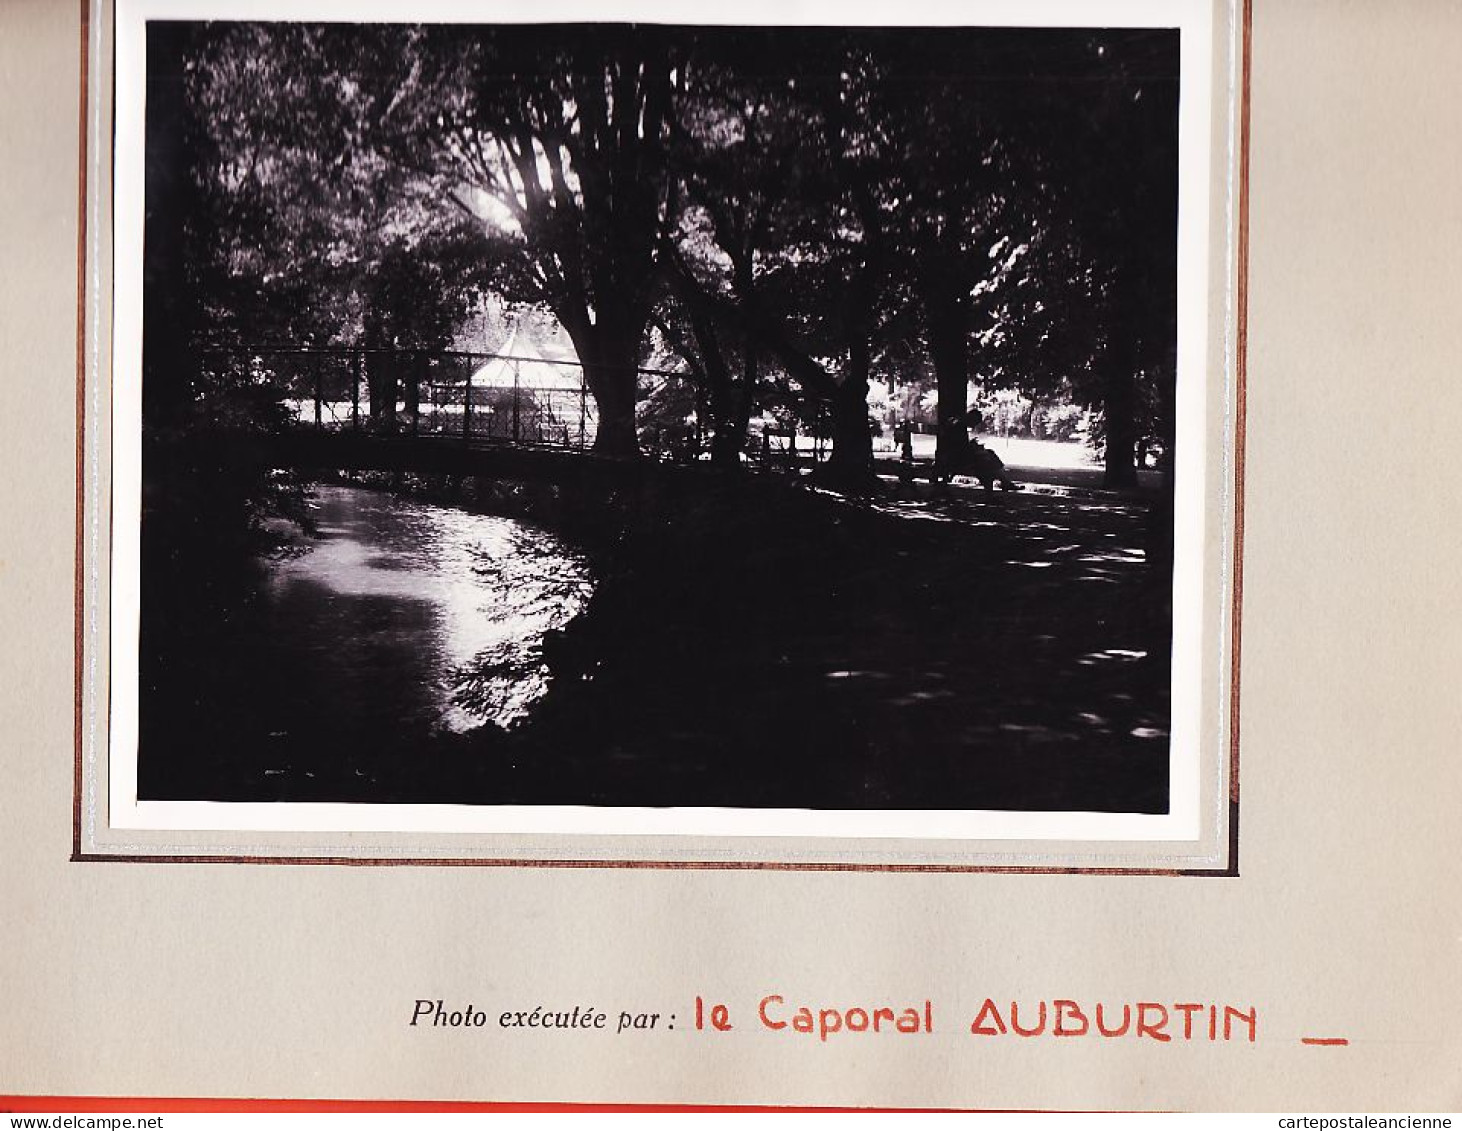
{"type": "Point", "coordinates": [747, 644]}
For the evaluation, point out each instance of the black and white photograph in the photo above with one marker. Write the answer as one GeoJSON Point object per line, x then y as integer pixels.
{"type": "Point", "coordinates": [656, 415]}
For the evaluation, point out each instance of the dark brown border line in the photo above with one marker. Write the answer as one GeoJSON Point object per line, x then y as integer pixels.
{"type": "Point", "coordinates": [650, 865]}
{"type": "Point", "coordinates": [1241, 384]}
{"type": "Point", "coordinates": [1231, 868]}
{"type": "Point", "coordinates": [79, 606]}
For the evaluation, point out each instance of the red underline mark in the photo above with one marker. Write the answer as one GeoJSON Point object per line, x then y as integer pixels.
{"type": "Point", "coordinates": [1323, 1041]}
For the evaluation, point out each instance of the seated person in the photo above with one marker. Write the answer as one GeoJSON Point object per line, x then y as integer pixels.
{"type": "Point", "coordinates": [988, 468]}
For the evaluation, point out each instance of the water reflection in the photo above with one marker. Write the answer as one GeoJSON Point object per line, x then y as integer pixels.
{"type": "Point", "coordinates": [425, 611]}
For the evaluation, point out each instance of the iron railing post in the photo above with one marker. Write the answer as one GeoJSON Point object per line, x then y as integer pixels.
{"type": "Point", "coordinates": [467, 408]}
{"type": "Point", "coordinates": [517, 436]}
{"type": "Point", "coordinates": [583, 406]}
{"type": "Point", "coordinates": [355, 368]}
{"type": "Point", "coordinates": [417, 370]}
{"type": "Point", "coordinates": [319, 395]}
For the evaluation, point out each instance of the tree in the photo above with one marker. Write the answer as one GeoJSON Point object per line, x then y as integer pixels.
{"type": "Point", "coordinates": [560, 145]}
{"type": "Point", "coordinates": [204, 516]}
{"type": "Point", "coordinates": [416, 298]}
{"type": "Point", "coordinates": [317, 224]}
{"type": "Point", "coordinates": [818, 205]}
{"type": "Point", "coordinates": [754, 203]}
{"type": "Point", "coordinates": [953, 198]}
{"type": "Point", "coordinates": [1119, 162]}
{"type": "Point", "coordinates": [781, 239]}
{"type": "Point", "coordinates": [545, 153]}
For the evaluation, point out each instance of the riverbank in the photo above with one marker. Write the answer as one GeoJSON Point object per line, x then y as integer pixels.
{"type": "Point", "coordinates": [748, 642]}
{"type": "Point", "coordinates": [756, 644]}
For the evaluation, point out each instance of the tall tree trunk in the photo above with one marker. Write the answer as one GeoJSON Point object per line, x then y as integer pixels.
{"type": "Point", "coordinates": [740, 422]}
{"type": "Point", "coordinates": [608, 351]}
{"type": "Point", "coordinates": [734, 418]}
{"type": "Point", "coordinates": [852, 459]}
{"type": "Point", "coordinates": [728, 436]}
{"type": "Point", "coordinates": [727, 406]}
{"type": "Point", "coordinates": [1123, 357]}
{"type": "Point", "coordinates": [851, 462]}
{"type": "Point", "coordinates": [1120, 411]}
{"type": "Point", "coordinates": [947, 313]}
{"type": "Point", "coordinates": [616, 435]}
{"type": "Point", "coordinates": [610, 355]}
{"type": "Point", "coordinates": [721, 393]}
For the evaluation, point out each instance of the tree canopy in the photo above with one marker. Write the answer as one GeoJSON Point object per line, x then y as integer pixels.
{"type": "Point", "coordinates": [792, 214]}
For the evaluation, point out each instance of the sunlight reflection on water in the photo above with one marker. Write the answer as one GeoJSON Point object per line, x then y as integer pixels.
{"type": "Point", "coordinates": [465, 598]}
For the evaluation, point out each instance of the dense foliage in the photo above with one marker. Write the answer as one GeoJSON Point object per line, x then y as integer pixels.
{"type": "Point", "coordinates": [789, 218]}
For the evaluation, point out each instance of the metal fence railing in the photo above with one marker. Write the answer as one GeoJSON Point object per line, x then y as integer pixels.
{"type": "Point", "coordinates": [479, 397]}
{"type": "Point", "coordinates": [487, 398]}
